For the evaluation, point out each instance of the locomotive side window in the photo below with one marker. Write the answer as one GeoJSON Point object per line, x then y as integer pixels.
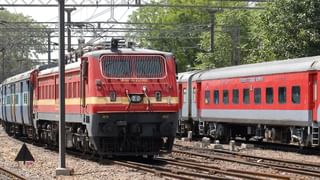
{"type": "Point", "coordinates": [257, 95]}
{"type": "Point", "coordinates": [282, 93]}
{"type": "Point", "coordinates": [246, 96]}
{"type": "Point", "coordinates": [184, 95]}
{"type": "Point", "coordinates": [269, 95]}
{"type": "Point", "coordinates": [295, 94]}
{"type": "Point", "coordinates": [207, 97]}
{"type": "Point", "coordinates": [225, 97]}
{"type": "Point", "coordinates": [235, 96]}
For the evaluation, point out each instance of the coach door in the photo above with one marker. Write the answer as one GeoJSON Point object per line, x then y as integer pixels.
{"type": "Point", "coordinates": [196, 91]}
{"type": "Point", "coordinates": [83, 82]}
{"type": "Point", "coordinates": [313, 91]}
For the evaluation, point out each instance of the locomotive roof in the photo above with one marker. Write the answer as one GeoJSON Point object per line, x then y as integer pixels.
{"type": "Point", "coordinates": [265, 68]}
{"type": "Point", "coordinates": [184, 76]}
{"type": "Point", "coordinates": [18, 77]}
{"type": "Point", "coordinates": [97, 53]}
{"type": "Point", "coordinates": [56, 69]}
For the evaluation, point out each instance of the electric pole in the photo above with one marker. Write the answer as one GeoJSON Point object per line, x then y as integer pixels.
{"type": "Point", "coordinates": [62, 170]}
{"type": "Point", "coordinates": [69, 10]}
{"type": "Point", "coordinates": [212, 13]}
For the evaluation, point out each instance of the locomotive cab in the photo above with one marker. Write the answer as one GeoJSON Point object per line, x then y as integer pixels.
{"type": "Point", "coordinates": [129, 101]}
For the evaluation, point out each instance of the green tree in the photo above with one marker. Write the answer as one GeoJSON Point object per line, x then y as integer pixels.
{"type": "Point", "coordinates": [18, 41]}
{"type": "Point", "coordinates": [287, 29]}
{"type": "Point", "coordinates": [232, 34]}
{"type": "Point", "coordinates": [189, 37]}
{"type": "Point", "coordinates": [172, 29]}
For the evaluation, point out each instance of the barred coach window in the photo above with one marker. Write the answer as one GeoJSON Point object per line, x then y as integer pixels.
{"type": "Point", "coordinates": [257, 95]}
{"type": "Point", "coordinates": [207, 97]}
{"type": "Point", "coordinates": [246, 96]}
{"type": "Point", "coordinates": [269, 95]}
{"type": "Point", "coordinates": [225, 97]}
{"type": "Point", "coordinates": [282, 94]}
{"type": "Point", "coordinates": [295, 94]}
{"type": "Point", "coordinates": [216, 96]}
{"type": "Point", "coordinates": [235, 96]}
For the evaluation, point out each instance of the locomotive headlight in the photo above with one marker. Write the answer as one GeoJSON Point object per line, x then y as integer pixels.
{"type": "Point", "coordinates": [136, 98]}
{"type": "Point", "coordinates": [113, 96]}
{"type": "Point", "coordinates": [158, 96]}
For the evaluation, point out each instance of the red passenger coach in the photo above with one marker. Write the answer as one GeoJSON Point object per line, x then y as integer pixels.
{"type": "Point", "coordinates": [276, 101]}
{"type": "Point", "coordinates": [119, 101]}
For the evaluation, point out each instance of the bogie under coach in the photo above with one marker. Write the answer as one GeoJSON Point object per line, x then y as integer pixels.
{"type": "Point", "coordinates": [274, 101]}
{"type": "Point", "coordinates": [119, 101]}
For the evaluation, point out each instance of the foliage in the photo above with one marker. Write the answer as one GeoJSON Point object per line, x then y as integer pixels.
{"type": "Point", "coordinates": [172, 29]}
{"type": "Point", "coordinates": [284, 29]}
{"type": "Point", "coordinates": [19, 41]}
{"type": "Point", "coordinates": [287, 29]}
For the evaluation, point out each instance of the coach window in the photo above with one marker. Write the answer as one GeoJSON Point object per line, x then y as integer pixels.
{"type": "Point", "coordinates": [207, 97]}
{"type": "Point", "coordinates": [246, 96]}
{"type": "Point", "coordinates": [25, 98]}
{"type": "Point", "coordinates": [282, 95]}
{"type": "Point", "coordinates": [257, 95]}
{"type": "Point", "coordinates": [16, 99]}
{"type": "Point", "coordinates": [296, 94]}
{"type": "Point", "coordinates": [194, 94]}
{"type": "Point", "coordinates": [8, 99]}
{"type": "Point", "coordinates": [269, 95]}
{"type": "Point", "coordinates": [216, 96]}
{"type": "Point", "coordinates": [235, 96]}
{"type": "Point", "coordinates": [184, 95]}
{"type": "Point", "coordinates": [225, 97]}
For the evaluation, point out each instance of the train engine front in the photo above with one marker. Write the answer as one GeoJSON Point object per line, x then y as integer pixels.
{"type": "Point", "coordinates": [129, 101]}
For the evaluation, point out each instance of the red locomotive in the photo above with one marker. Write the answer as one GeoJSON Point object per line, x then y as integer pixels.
{"type": "Point", "coordinates": [119, 101]}
{"type": "Point", "coordinates": [276, 101]}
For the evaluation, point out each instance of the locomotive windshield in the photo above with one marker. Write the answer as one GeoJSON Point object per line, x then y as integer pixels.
{"type": "Point", "coordinates": [133, 66]}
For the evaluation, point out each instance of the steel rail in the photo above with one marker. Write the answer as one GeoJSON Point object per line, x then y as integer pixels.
{"type": "Point", "coordinates": [295, 170]}
{"type": "Point", "coordinates": [241, 172]}
{"type": "Point", "coordinates": [10, 174]}
{"type": "Point", "coordinates": [180, 174]}
{"type": "Point", "coordinates": [300, 163]}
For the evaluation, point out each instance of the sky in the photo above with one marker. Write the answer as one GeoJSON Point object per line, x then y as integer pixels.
{"type": "Point", "coordinates": [50, 14]}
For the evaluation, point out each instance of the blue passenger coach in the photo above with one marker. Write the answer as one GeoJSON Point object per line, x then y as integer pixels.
{"type": "Point", "coordinates": [16, 101]}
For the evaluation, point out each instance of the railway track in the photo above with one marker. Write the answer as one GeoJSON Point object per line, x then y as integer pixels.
{"type": "Point", "coordinates": [185, 169]}
{"type": "Point", "coordinates": [6, 174]}
{"type": "Point", "coordinates": [282, 147]}
{"type": "Point", "coordinates": [289, 166]}
{"type": "Point", "coordinates": [188, 169]}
